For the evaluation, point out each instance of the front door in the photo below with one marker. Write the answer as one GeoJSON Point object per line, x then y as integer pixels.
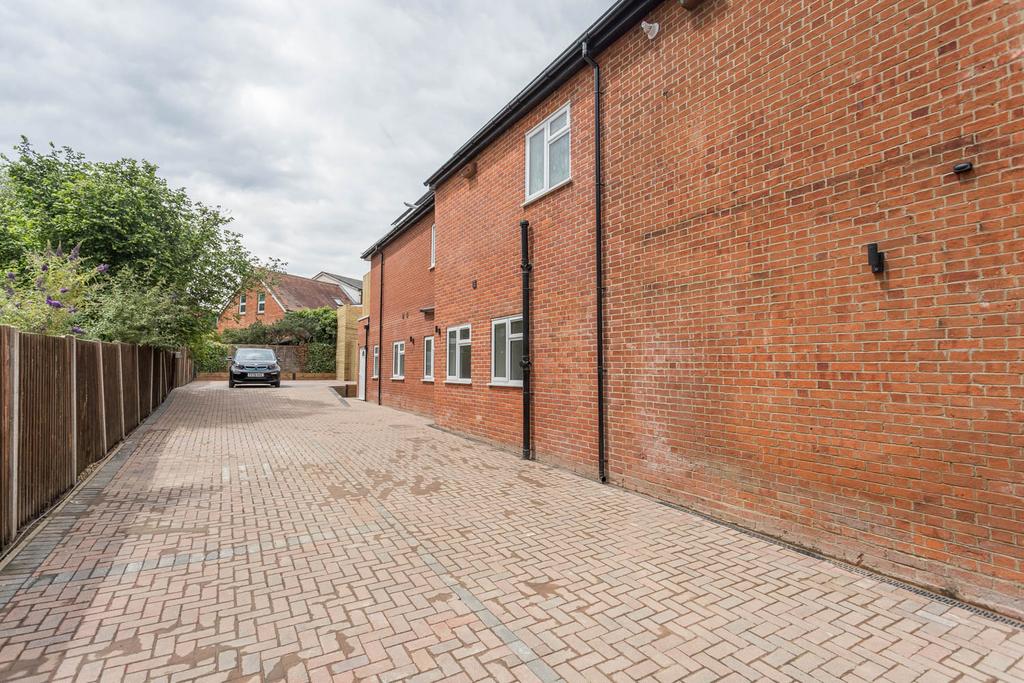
{"type": "Point", "coordinates": [362, 374]}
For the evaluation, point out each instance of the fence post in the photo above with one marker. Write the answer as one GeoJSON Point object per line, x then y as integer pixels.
{"type": "Point", "coordinates": [72, 344]}
{"type": "Point", "coordinates": [152, 372]}
{"type": "Point", "coordinates": [120, 387]}
{"type": "Point", "coordinates": [103, 395]}
{"type": "Point", "coordinates": [14, 414]}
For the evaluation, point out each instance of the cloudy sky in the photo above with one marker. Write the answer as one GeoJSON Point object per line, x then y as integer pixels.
{"type": "Point", "coordinates": [310, 122]}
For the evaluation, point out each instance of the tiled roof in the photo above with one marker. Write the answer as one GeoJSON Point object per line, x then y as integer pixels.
{"type": "Point", "coordinates": [295, 292]}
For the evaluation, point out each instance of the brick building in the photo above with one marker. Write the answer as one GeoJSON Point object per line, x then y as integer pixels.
{"type": "Point", "coordinates": [281, 293]}
{"type": "Point", "coordinates": [400, 369]}
{"type": "Point", "coordinates": [756, 367]}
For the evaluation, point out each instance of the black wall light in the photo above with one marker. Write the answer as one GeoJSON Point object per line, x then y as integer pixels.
{"type": "Point", "coordinates": [876, 259]}
{"type": "Point", "coordinates": [963, 167]}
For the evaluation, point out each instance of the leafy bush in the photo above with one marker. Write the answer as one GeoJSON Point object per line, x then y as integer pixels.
{"type": "Point", "coordinates": [314, 325]}
{"type": "Point", "coordinates": [257, 333]}
{"type": "Point", "coordinates": [211, 356]}
{"type": "Point", "coordinates": [50, 293]}
{"type": "Point", "coordinates": [321, 358]}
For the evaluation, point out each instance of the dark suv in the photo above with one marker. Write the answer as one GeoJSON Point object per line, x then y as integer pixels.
{"type": "Point", "coordinates": [254, 366]}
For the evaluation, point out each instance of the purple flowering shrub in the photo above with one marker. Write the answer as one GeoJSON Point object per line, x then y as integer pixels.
{"type": "Point", "coordinates": [50, 293]}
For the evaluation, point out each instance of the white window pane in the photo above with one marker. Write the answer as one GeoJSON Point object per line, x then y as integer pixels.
{"type": "Point", "coordinates": [401, 365]}
{"type": "Point", "coordinates": [536, 157]}
{"type": "Point", "coordinates": [558, 123]}
{"type": "Point", "coordinates": [464, 333]}
{"type": "Point", "coordinates": [500, 369]}
{"type": "Point", "coordinates": [452, 351]}
{"type": "Point", "coordinates": [558, 153]}
{"type": "Point", "coordinates": [517, 326]}
{"type": "Point", "coordinates": [465, 358]}
{"type": "Point", "coordinates": [515, 355]}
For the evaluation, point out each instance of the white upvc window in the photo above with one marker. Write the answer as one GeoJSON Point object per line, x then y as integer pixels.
{"type": "Point", "coordinates": [507, 351]}
{"type": "Point", "coordinates": [398, 360]}
{"type": "Point", "coordinates": [376, 362]}
{"type": "Point", "coordinates": [241, 305]}
{"type": "Point", "coordinates": [261, 302]}
{"type": "Point", "coordinates": [428, 359]}
{"type": "Point", "coordinates": [460, 354]}
{"type": "Point", "coordinates": [548, 154]}
{"type": "Point", "coordinates": [433, 245]}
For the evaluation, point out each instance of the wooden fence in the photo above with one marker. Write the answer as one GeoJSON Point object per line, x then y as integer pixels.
{"type": "Point", "coordinates": [64, 404]}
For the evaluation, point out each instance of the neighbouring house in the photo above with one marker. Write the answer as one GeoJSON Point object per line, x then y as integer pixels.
{"type": "Point", "coordinates": [353, 287]}
{"type": "Point", "coordinates": [280, 293]}
{"type": "Point", "coordinates": [709, 321]}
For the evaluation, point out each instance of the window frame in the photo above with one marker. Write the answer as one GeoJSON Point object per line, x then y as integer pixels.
{"type": "Point", "coordinates": [433, 245]}
{"type": "Point", "coordinates": [398, 360]}
{"type": "Point", "coordinates": [430, 339]}
{"type": "Point", "coordinates": [549, 139]}
{"type": "Point", "coordinates": [242, 304]}
{"type": "Point", "coordinates": [459, 342]}
{"type": "Point", "coordinates": [261, 303]}
{"type": "Point", "coordinates": [376, 362]}
{"type": "Point", "coordinates": [509, 338]}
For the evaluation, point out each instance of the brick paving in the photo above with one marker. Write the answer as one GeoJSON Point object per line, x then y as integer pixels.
{"type": "Point", "coordinates": [283, 535]}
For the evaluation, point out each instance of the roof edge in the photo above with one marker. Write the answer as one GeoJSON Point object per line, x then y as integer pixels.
{"type": "Point", "coordinates": [602, 33]}
{"type": "Point", "coordinates": [410, 217]}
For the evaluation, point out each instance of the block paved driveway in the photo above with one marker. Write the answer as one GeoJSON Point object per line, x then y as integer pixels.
{"type": "Point", "coordinates": [281, 535]}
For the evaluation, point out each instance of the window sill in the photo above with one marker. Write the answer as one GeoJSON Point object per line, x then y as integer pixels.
{"type": "Point", "coordinates": [458, 381]}
{"type": "Point", "coordinates": [375, 377]}
{"type": "Point", "coordinates": [431, 267]}
{"type": "Point", "coordinates": [428, 380]}
{"type": "Point", "coordinates": [398, 379]}
{"type": "Point", "coordinates": [506, 385]}
{"type": "Point", "coordinates": [545, 193]}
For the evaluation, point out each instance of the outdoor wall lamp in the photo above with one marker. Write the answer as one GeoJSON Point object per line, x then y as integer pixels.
{"type": "Point", "coordinates": [437, 330]}
{"type": "Point", "coordinates": [876, 259]}
{"type": "Point", "coordinates": [963, 167]}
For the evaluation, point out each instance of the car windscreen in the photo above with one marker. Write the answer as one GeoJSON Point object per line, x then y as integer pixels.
{"type": "Point", "coordinates": [259, 355]}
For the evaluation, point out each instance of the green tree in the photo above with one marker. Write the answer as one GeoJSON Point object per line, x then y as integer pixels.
{"type": "Point", "coordinates": [177, 253]}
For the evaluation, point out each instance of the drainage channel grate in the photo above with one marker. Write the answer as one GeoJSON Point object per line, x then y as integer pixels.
{"type": "Point", "coordinates": [881, 578]}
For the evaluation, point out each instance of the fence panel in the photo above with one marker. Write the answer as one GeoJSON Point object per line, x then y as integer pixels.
{"type": "Point", "coordinates": [46, 459]}
{"type": "Point", "coordinates": [7, 339]}
{"type": "Point", "coordinates": [113, 399]}
{"type": "Point", "coordinates": [145, 363]}
{"type": "Point", "coordinates": [130, 378]}
{"type": "Point", "coordinates": [63, 404]}
{"type": "Point", "coordinates": [154, 386]}
{"type": "Point", "coordinates": [91, 443]}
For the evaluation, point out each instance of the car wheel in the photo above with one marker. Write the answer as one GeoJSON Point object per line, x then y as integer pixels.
{"type": "Point", "coordinates": [231, 384]}
{"type": "Point", "coordinates": [276, 384]}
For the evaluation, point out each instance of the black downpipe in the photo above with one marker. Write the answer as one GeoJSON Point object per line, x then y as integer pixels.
{"type": "Point", "coordinates": [380, 333]}
{"type": "Point", "coordinates": [602, 459]}
{"type": "Point", "coordinates": [525, 363]}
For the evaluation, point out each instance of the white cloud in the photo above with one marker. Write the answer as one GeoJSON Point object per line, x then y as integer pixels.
{"type": "Point", "coordinates": [311, 122]}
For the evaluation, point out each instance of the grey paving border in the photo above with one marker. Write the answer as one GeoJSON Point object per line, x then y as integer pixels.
{"type": "Point", "coordinates": [58, 522]}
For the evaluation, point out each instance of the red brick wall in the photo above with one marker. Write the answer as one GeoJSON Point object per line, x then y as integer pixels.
{"type": "Point", "coordinates": [408, 287]}
{"type": "Point", "coordinates": [478, 240]}
{"type": "Point", "coordinates": [230, 318]}
{"type": "Point", "coordinates": [758, 370]}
